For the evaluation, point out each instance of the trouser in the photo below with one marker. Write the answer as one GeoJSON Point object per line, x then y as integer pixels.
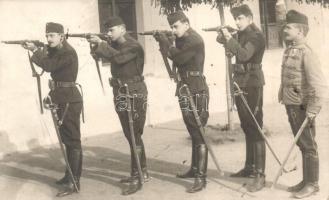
{"type": "Point", "coordinates": [71, 136]}
{"type": "Point", "coordinates": [138, 103]}
{"type": "Point", "coordinates": [201, 101]}
{"type": "Point", "coordinates": [199, 149]}
{"type": "Point", "coordinates": [255, 144]}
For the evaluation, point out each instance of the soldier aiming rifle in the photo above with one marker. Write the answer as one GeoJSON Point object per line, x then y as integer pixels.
{"type": "Point", "coordinates": [60, 59]}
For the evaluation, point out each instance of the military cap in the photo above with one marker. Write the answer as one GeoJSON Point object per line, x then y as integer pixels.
{"type": "Point", "coordinates": [52, 27]}
{"type": "Point", "coordinates": [241, 10]}
{"type": "Point", "coordinates": [296, 17]}
{"type": "Point", "coordinates": [174, 17]}
{"type": "Point", "coordinates": [113, 21]}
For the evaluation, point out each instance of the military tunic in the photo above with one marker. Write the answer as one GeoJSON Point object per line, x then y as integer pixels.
{"type": "Point", "coordinates": [62, 64]}
{"type": "Point", "coordinates": [188, 56]}
{"type": "Point", "coordinates": [302, 90]}
{"type": "Point", "coordinates": [127, 64]}
{"type": "Point", "coordinates": [249, 49]}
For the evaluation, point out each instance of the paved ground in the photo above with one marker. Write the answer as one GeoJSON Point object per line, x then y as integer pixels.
{"type": "Point", "coordinates": [31, 175]}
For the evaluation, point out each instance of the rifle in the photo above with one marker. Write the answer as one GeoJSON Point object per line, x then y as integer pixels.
{"type": "Point", "coordinates": [171, 72]}
{"type": "Point", "coordinates": [220, 28]}
{"type": "Point", "coordinates": [37, 43]}
{"type": "Point", "coordinates": [228, 60]}
{"type": "Point", "coordinates": [34, 71]}
{"type": "Point", "coordinates": [103, 36]}
{"type": "Point", "coordinates": [166, 32]}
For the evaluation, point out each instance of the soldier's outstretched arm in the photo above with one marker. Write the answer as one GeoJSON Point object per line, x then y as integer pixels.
{"type": "Point", "coordinates": [50, 64]}
{"type": "Point", "coordinates": [118, 56]}
{"type": "Point", "coordinates": [184, 54]}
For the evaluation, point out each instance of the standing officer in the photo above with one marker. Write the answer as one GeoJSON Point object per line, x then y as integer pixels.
{"type": "Point", "coordinates": [302, 91]}
{"type": "Point", "coordinates": [61, 61]}
{"type": "Point", "coordinates": [248, 49]}
{"type": "Point", "coordinates": [188, 56]}
{"type": "Point", "coordinates": [127, 63]}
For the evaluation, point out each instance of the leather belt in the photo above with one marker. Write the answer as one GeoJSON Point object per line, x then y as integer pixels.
{"type": "Point", "coordinates": [244, 68]}
{"type": "Point", "coordinates": [118, 82]}
{"type": "Point", "coordinates": [187, 74]}
{"type": "Point", "coordinates": [61, 84]}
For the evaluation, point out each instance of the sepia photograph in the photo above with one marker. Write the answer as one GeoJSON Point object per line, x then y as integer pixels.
{"type": "Point", "coordinates": [164, 99]}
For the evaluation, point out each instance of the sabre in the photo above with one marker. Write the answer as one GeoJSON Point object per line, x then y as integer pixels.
{"type": "Point", "coordinates": [201, 129]}
{"type": "Point", "coordinates": [57, 124]}
{"type": "Point", "coordinates": [299, 133]}
{"type": "Point", "coordinates": [132, 134]}
{"type": "Point", "coordinates": [240, 93]}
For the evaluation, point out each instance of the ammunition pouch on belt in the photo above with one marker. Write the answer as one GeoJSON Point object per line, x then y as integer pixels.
{"type": "Point", "coordinates": [118, 82]}
{"type": "Point", "coordinates": [60, 84]}
{"type": "Point", "coordinates": [245, 68]}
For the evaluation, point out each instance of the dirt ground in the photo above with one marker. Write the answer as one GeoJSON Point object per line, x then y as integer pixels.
{"type": "Point", "coordinates": [31, 175]}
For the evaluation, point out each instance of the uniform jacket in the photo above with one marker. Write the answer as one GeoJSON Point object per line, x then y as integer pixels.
{"type": "Point", "coordinates": [189, 55]}
{"type": "Point", "coordinates": [248, 47]}
{"type": "Point", "coordinates": [63, 66]}
{"type": "Point", "coordinates": [127, 60]}
{"type": "Point", "coordinates": [302, 82]}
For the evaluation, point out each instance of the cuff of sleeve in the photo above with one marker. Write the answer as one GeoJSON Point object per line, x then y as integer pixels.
{"type": "Point", "coordinates": [313, 109]}
{"type": "Point", "coordinates": [231, 44]}
{"type": "Point", "coordinates": [105, 47]}
{"type": "Point", "coordinates": [36, 55]}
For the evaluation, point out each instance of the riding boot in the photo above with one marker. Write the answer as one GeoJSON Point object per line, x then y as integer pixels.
{"type": "Point", "coordinates": [66, 177]}
{"type": "Point", "coordinates": [192, 171]}
{"type": "Point", "coordinates": [260, 156]}
{"type": "Point", "coordinates": [301, 184]}
{"type": "Point", "coordinates": [134, 169]}
{"type": "Point", "coordinates": [200, 181]}
{"type": "Point", "coordinates": [73, 186]}
{"type": "Point", "coordinates": [248, 170]}
{"type": "Point", "coordinates": [135, 183]}
{"type": "Point", "coordinates": [311, 186]}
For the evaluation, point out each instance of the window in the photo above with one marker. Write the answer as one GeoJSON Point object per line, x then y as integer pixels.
{"type": "Point", "coordinates": [122, 8]}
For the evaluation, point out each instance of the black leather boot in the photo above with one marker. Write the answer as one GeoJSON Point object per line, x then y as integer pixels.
{"type": "Point", "coordinates": [64, 180]}
{"type": "Point", "coordinates": [200, 181]}
{"type": "Point", "coordinates": [311, 186]}
{"type": "Point", "coordinates": [135, 183]}
{"type": "Point", "coordinates": [301, 184]}
{"type": "Point", "coordinates": [74, 158]}
{"type": "Point", "coordinates": [192, 171]}
{"type": "Point", "coordinates": [258, 182]}
{"type": "Point", "coordinates": [249, 168]}
{"type": "Point", "coordinates": [66, 177]}
{"type": "Point", "coordinates": [134, 169]}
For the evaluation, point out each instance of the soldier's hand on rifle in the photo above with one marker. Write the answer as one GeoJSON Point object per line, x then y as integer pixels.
{"type": "Point", "coordinates": [94, 39]}
{"type": "Point", "coordinates": [310, 115]}
{"type": "Point", "coordinates": [220, 37]}
{"type": "Point", "coordinates": [163, 40]}
{"type": "Point", "coordinates": [226, 34]}
{"type": "Point", "coordinates": [30, 46]}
